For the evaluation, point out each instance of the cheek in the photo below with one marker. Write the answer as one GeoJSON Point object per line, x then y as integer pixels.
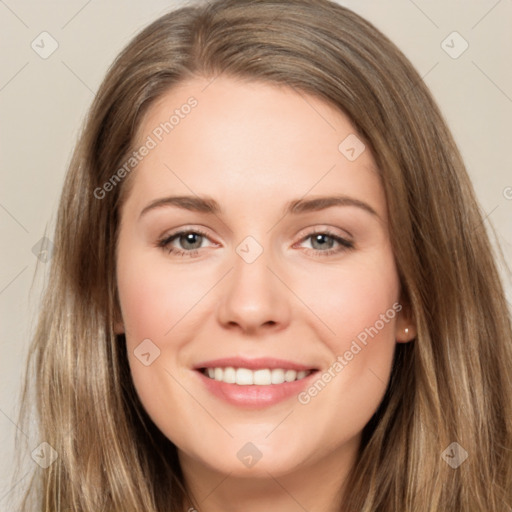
{"type": "Point", "coordinates": [158, 303]}
{"type": "Point", "coordinates": [359, 304]}
{"type": "Point", "coordinates": [355, 298]}
{"type": "Point", "coordinates": [153, 299]}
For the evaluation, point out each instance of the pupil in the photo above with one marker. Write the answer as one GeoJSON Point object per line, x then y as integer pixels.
{"type": "Point", "coordinates": [189, 239]}
{"type": "Point", "coordinates": [321, 240]}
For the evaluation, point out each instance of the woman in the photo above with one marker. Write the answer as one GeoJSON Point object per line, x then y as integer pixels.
{"type": "Point", "coordinates": [336, 338]}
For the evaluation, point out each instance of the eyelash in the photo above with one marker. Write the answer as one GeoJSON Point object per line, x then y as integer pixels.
{"type": "Point", "coordinates": [164, 243]}
{"type": "Point", "coordinates": [345, 245]}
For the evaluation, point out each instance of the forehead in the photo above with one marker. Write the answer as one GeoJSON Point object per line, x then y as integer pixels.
{"type": "Point", "coordinates": [248, 141]}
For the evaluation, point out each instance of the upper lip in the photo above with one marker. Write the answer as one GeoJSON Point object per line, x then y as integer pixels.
{"type": "Point", "coordinates": [253, 364]}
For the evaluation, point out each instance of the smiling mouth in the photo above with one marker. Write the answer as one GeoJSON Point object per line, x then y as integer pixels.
{"type": "Point", "coordinates": [259, 377]}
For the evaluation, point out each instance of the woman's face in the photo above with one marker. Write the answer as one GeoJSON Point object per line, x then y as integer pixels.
{"type": "Point", "coordinates": [254, 248]}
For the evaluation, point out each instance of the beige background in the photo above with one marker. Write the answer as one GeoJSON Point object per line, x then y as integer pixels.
{"type": "Point", "coordinates": [43, 101]}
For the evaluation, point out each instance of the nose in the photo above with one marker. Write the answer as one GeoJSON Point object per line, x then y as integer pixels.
{"type": "Point", "coordinates": [253, 300]}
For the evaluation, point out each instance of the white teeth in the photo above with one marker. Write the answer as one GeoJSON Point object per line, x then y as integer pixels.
{"type": "Point", "coordinates": [277, 376]}
{"type": "Point", "coordinates": [244, 377]}
{"type": "Point", "coordinates": [263, 377]}
{"type": "Point", "coordinates": [229, 375]}
{"type": "Point", "coordinates": [290, 375]}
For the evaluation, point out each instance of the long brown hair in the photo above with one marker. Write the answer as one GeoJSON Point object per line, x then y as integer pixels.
{"type": "Point", "coordinates": [452, 384]}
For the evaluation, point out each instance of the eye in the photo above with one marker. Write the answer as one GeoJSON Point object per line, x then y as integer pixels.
{"type": "Point", "coordinates": [189, 242]}
{"type": "Point", "coordinates": [325, 243]}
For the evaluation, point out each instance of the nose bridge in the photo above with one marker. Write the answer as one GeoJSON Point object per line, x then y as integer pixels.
{"type": "Point", "coordinates": [253, 297]}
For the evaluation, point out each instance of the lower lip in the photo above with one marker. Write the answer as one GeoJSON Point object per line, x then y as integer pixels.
{"type": "Point", "coordinates": [255, 396]}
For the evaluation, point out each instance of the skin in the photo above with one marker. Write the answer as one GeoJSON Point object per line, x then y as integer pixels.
{"type": "Point", "coordinates": [253, 147]}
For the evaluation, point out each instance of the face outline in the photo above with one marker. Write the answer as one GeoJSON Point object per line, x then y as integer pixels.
{"type": "Point", "coordinates": [265, 145]}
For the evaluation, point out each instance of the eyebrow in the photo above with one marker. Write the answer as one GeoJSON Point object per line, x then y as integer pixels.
{"type": "Point", "coordinates": [297, 206]}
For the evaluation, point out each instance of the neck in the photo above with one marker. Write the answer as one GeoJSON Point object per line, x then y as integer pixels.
{"type": "Point", "coordinates": [314, 485]}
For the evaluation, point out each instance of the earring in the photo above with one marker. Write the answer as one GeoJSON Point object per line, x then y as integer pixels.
{"type": "Point", "coordinates": [406, 330]}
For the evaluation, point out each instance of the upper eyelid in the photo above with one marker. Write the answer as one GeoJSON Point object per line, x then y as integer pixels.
{"type": "Point", "coordinates": [330, 230]}
{"type": "Point", "coordinates": [305, 231]}
{"type": "Point", "coordinates": [176, 234]}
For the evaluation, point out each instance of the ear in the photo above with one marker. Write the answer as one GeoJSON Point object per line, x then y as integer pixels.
{"type": "Point", "coordinates": [118, 327]}
{"type": "Point", "coordinates": [405, 325]}
{"type": "Point", "coordinates": [118, 320]}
